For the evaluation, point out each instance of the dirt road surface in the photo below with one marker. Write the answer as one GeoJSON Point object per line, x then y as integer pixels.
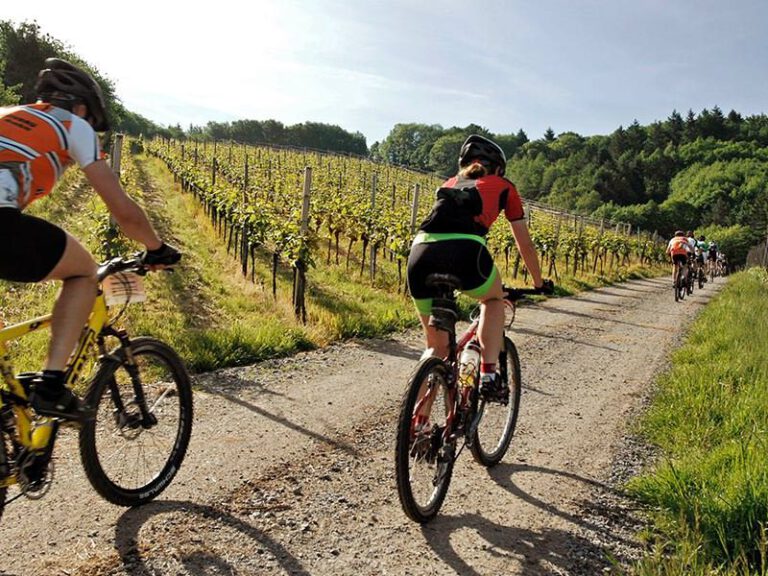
{"type": "Point", "coordinates": [290, 468]}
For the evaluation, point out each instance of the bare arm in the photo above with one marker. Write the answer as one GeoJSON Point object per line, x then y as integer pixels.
{"type": "Point", "coordinates": [527, 250]}
{"type": "Point", "coordinates": [132, 219]}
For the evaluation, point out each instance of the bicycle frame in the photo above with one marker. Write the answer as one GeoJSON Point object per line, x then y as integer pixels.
{"type": "Point", "coordinates": [455, 402]}
{"type": "Point", "coordinates": [11, 385]}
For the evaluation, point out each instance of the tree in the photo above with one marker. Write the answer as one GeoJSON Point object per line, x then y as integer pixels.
{"type": "Point", "coordinates": [8, 94]}
{"type": "Point", "coordinates": [410, 144]}
{"type": "Point", "coordinates": [549, 135]}
{"type": "Point", "coordinates": [444, 154]}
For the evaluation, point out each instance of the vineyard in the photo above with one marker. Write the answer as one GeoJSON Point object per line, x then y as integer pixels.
{"type": "Point", "coordinates": [299, 208]}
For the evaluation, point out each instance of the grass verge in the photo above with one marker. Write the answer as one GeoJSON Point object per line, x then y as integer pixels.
{"type": "Point", "coordinates": [709, 489]}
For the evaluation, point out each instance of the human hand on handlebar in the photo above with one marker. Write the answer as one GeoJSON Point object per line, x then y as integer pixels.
{"type": "Point", "coordinates": [163, 257]}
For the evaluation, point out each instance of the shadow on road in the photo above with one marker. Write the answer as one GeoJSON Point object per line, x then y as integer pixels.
{"type": "Point", "coordinates": [392, 348]}
{"type": "Point", "coordinates": [545, 551]}
{"type": "Point", "coordinates": [539, 552]}
{"type": "Point", "coordinates": [280, 419]}
{"type": "Point", "coordinates": [200, 559]}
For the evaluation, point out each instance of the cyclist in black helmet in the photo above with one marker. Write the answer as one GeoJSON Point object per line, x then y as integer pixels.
{"type": "Point", "coordinates": [452, 240]}
{"type": "Point", "coordinates": [37, 143]}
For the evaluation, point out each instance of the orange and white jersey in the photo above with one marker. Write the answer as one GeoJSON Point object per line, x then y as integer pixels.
{"type": "Point", "coordinates": [678, 246]}
{"type": "Point", "coordinates": [37, 143]}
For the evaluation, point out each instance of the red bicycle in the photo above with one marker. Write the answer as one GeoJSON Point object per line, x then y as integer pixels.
{"type": "Point", "coordinates": [442, 410]}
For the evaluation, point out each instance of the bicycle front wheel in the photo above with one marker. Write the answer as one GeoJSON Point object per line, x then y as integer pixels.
{"type": "Point", "coordinates": [423, 461]}
{"type": "Point", "coordinates": [137, 441]}
{"type": "Point", "coordinates": [497, 418]}
{"type": "Point", "coordinates": [5, 470]}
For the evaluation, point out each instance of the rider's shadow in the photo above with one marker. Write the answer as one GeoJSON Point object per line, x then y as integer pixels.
{"type": "Point", "coordinates": [199, 558]}
{"type": "Point", "coordinates": [545, 551]}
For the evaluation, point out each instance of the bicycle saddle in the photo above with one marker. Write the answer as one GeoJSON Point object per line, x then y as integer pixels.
{"type": "Point", "coordinates": [448, 281]}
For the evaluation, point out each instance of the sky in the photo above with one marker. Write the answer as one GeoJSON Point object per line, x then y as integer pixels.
{"type": "Point", "coordinates": [586, 66]}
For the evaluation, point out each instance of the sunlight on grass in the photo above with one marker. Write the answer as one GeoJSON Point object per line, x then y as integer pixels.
{"type": "Point", "coordinates": [709, 489]}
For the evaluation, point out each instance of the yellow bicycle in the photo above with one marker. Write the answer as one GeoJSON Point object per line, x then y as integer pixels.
{"type": "Point", "coordinates": [139, 404]}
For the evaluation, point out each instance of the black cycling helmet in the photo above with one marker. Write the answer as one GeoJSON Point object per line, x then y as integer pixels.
{"type": "Point", "coordinates": [61, 77]}
{"type": "Point", "coordinates": [489, 153]}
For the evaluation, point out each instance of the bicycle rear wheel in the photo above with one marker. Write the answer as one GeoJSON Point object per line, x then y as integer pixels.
{"type": "Point", "coordinates": [423, 462]}
{"type": "Point", "coordinates": [498, 420]}
{"type": "Point", "coordinates": [5, 470]}
{"type": "Point", "coordinates": [135, 445]}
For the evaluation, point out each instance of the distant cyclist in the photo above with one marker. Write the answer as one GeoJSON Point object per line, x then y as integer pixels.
{"type": "Point", "coordinates": [702, 247]}
{"type": "Point", "coordinates": [691, 257]}
{"type": "Point", "coordinates": [679, 250]}
{"type": "Point", "coordinates": [712, 250]}
{"type": "Point", "coordinates": [452, 240]}
{"type": "Point", "coordinates": [37, 143]}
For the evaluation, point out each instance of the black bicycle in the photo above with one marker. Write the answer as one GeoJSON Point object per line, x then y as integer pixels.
{"type": "Point", "coordinates": [443, 411]}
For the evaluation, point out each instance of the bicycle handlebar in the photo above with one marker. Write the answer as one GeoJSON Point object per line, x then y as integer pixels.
{"type": "Point", "coordinates": [515, 294]}
{"type": "Point", "coordinates": [124, 264]}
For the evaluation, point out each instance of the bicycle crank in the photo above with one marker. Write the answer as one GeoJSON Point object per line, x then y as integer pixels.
{"type": "Point", "coordinates": [35, 474]}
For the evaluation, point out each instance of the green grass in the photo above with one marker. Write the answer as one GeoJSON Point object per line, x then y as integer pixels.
{"type": "Point", "coordinates": [709, 419]}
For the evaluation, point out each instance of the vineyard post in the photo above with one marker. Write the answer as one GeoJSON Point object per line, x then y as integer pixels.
{"type": "Point", "coordinates": [115, 159]}
{"type": "Point", "coordinates": [299, 307]}
{"type": "Point", "coordinates": [415, 207]}
{"type": "Point", "coordinates": [374, 182]}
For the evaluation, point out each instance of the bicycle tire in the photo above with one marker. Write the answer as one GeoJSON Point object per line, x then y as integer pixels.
{"type": "Point", "coordinates": [680, 286]}
{"type": "Point", "coordinates": [116, 441]}
{"type": "Point", "coordinates": [5, 471]}
{"type": "Point", "coordinates": [418, 457]}
{"type": "Point", "coordinates": [498, 421]}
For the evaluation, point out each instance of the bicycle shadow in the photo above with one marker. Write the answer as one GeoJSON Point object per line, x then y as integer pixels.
{"type": "Point", "coordinates": [539, 552]}
{"type": "Point", "coordinates": [545, 551]}
{"type": "Point", "coordinates": [200, 556]}
{"type": "Point", "coordinates": [503, 475]}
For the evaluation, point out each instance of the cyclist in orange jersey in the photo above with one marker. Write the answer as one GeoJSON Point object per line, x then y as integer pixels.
{"type": "Point", "coordinates": [679, 250]}
{"type": "Point", "coordinates": [37, 143]}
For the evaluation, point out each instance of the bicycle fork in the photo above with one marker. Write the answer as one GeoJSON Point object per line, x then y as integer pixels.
{"type": "Point", "coordinates": [144, 419]}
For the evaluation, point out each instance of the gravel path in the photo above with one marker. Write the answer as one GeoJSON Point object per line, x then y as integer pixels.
{"type": "Point", "coordinates": [290, 469]}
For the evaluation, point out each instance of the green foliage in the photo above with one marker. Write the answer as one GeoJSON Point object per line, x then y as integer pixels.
{"type": "Point", "coordinates": [684, 172]}
{"type": "Point", "coordinates": [709, 419]}
{"type": "Point", "coordinates": [315, 135]}
{"type": "Point", "coordinates": [734, 241]}
{"type": "Point", "coordinates": [9, 95]}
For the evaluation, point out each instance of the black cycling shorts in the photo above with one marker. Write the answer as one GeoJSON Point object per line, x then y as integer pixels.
{"type": "Point", "coordinates": [680, 258]}
{"type": "Point", "coordinates": [469, 260]}
{"type": "Point", "coordinates": [30, 247]}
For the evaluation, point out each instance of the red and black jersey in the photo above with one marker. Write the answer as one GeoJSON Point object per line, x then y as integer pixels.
{"type": "Point", "coordinates": [472, 206]}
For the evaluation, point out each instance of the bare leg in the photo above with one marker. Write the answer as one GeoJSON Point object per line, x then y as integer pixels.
{"type": "Point", "coordinates": [436, 339]}
{"type": "Point", "coordinates": [78, 271]}
{"type": "Point", "coordinates": [491, 327]}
